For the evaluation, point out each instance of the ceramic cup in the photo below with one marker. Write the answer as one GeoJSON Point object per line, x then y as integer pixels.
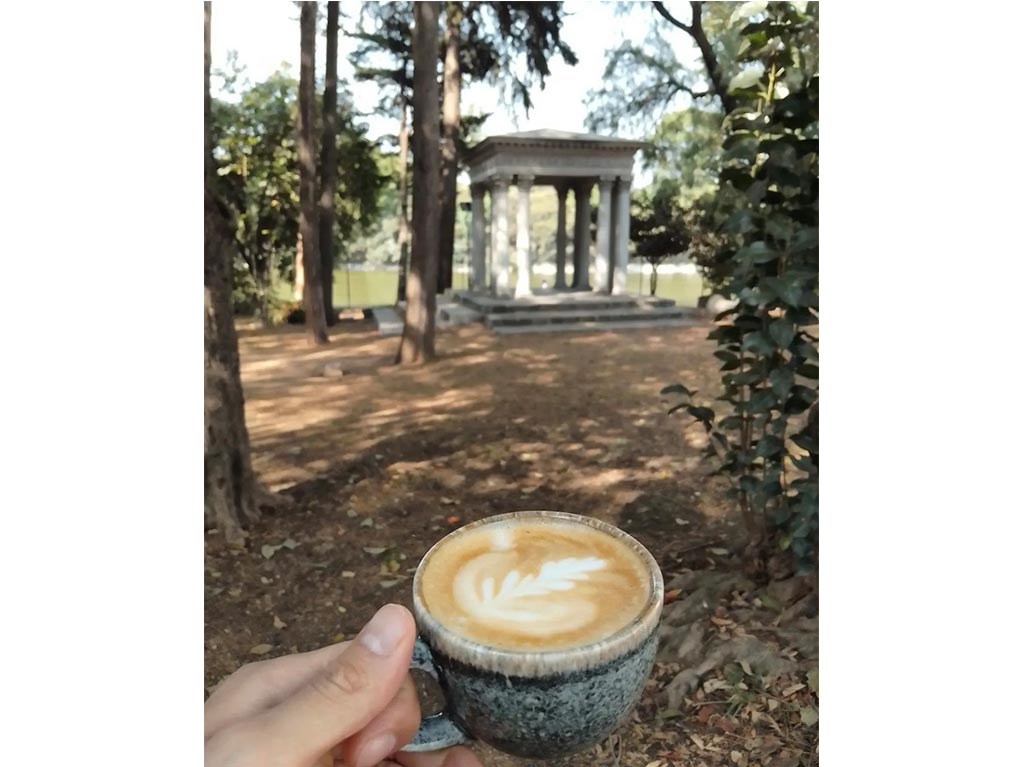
{"type": "Point", "coordinates": [535, 704]}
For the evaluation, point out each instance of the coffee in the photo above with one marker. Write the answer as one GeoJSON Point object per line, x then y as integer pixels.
{"type": "Point", "coordinates": [541, 584]}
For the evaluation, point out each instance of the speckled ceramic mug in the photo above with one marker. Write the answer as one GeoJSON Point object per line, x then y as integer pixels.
{"type": "Point", "coordinates": [538, 704]}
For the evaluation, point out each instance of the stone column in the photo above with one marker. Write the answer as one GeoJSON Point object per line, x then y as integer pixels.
{"type": "Point", "coordinates": [560, 238]}
{"type": "Point", "coordinates": [581, 237]}
{"type": "Point", "coordinates": [602, 259]}
{"type": "Point", "coordinates": [499, 235]}
{"type": "Point", "coordinates": [477, 271]}
{"type": "Point", "coordinates": [523, 237]}
{"type": "Point", "coordinates": [620, 257]}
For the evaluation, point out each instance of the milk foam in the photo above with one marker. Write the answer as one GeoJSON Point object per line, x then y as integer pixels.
{"type": "Point", "coordinates": [535, 584]}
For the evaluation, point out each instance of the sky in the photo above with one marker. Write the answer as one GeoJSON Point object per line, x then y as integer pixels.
{"type": "Point", "coordinates": [267, 33]}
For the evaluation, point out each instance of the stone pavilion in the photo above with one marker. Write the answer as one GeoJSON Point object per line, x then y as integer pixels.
{"type": "Point", "coordinates": [570, 162]}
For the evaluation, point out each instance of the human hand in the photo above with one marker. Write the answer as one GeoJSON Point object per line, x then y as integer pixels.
{"type": "Point", "coordinates": [352, 701]}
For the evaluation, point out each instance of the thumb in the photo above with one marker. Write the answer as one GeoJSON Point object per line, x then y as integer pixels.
{"type": "Point", "coordinates": [346, 695]}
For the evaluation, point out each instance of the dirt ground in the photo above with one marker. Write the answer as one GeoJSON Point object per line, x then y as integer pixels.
{"type": "Point", "coordinates": [382, 461]}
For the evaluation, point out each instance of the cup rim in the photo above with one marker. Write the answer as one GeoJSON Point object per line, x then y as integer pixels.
{"type": "Point", "coordinates": [543, 662]}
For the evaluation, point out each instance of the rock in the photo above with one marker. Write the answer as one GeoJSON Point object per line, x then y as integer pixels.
{"type": "Point", "coordinates": [718, 304]}
{"type": "Point", "coordinates": [333, 370]}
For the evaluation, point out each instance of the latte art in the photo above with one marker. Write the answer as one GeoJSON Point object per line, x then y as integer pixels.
{"type": "Point", "coordinates": [534, 585]}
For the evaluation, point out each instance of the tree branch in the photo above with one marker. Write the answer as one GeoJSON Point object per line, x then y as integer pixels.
{"type": "Point", "coordinates": [661, 9]}
{"type": "Point", "coordinates": [695, 29]}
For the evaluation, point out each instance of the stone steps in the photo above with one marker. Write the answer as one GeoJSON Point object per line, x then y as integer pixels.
{"type": "Point", "coordinates": [489, 305]}
{"type": "Point", "coordinates": [590, 327]}
{"type": "Point", "coordinates": [579, 315]}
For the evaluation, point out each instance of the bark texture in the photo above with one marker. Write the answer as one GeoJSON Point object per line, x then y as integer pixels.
{"type": "Point", "coordinates": [421, 292]}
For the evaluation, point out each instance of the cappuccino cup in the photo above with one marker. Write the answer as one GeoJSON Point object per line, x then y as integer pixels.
{"type": "Point", "coordinates": [540, 628]}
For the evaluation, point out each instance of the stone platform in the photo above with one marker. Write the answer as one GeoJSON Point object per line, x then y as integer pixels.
{"type": "Point", "coordinates": [553, 311]}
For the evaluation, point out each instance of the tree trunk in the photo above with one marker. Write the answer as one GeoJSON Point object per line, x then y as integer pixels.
{"type": "Point", "coordinates": [312, 293]}
{"type": "Point", "coordinates": [707, 53]}
{"type": "Point", "coordinates": [450, 117]}
{"type": "Point", "coordinates": [229, 484]}
{"type": "Point", "coordinates": [329, 164]}
{"type": "Point", "coordinates": [403, 196]}
{"type": "Point", "coordinates": [300, 272]}
{"type": "Point", "coordinates": [418, 335]}
{"type": "Point", "coordinates": [654, 279]}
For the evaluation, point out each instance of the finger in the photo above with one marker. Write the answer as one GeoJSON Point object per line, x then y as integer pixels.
{"type": "Point", "coordinates": [457, 756]}
{"type": "Point", "coordinates": [391, 729]}
{"type": "Point", "coordinates": [354, 687]}
{"type": "Point", "coordinates": [258, 686]}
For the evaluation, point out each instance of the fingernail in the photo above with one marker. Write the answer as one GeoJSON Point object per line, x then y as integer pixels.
{"type": "Point", "coordinates": [384, 631]}
{"type": "Point", "coordinates": [375, 749]}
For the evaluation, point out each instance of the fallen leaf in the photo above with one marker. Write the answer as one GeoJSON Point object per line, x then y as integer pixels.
{"type": "Point", "coordinates": [719, 552]}
{"type": "Point", "coordinates": [722, 621]}
{"type": "Point", "coordinates": [278, 623]}
{"type": "Point", "coordinates": [339, 637]}
{"type": "Point", "coordinates": [697, 742]}
{"type": "Point", "coordinates": [347, 574]}
{"type": "Point", "coordinates": [738, 758]}
{"type": "Point", "coordinates": [772, 704]}
{"type": "Point", "coordinates": [375, 550]}
{"type": "Point", "coordinates": [715, 684]}
{"type": "Point", "coordinates": [672, 595]}
{"type": "Point", "coordinates": [669, 713]}
{"type": "Point", "coordinates": [746, 668]}
{"type": "Point", "coordinates": [342, 609]}
{"type": "Point", "coordinates": [452, 520]}
{"type": "Point", "coordinates": [268, 551]}
{"type": "Point", "coordinates": [368, 522]}
{"type": "Point", "coordinates": [261, 649]}
{"type": "Point", "coordinates": [447, 501]}
{"type": "Point", "coordinates": [680, 521]}
{"type": "Point", "coordinates": [791, 689]}
{"type": "Point", "coordinates": [265, 580]}
{"type": "Point", "coordinates": [351, 513]}
{"type": "Point", "coordinates": [656, 763]}
{"type": "Point", "coordinates": [808, 715]}
{"type": "Point", "coordinates": [812, 680]}
{"type": "Point", "coordinates": [288, 543]}
{"type": "Point", "coordinates": [389, 584]}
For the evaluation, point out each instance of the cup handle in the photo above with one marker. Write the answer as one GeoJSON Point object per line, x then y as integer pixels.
{"type": "Point", "coordinates": [437, 731]}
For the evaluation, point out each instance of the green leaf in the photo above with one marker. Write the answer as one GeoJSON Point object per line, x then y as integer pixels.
{"type": "Point", "coordinates": [804, 240]}
{"type": "Point", "coordinates": [757, 253]}
{"type": "Point", "coordinates": [703, 414]}
{"type": "Point", "coordinates": [745, 378]}
{"type": "Point", "coordinates": [757, 343]}
{"type": "Point", "coordinates": [746, 10]}
{"type": "Point", "coordinates": [808, 351]}
{"type": "Point", "coordinates": [746, 79]}
{"type": "Point", "coordinates": [726, 333]}
{"type": "Point", "coordinates": [769, 446]}
{"type": "Point", "coordinates": [806, 442]}
{"type": "Point", "coordinates": [677, 388]}
{"type": "Point", "coordinates": [787, 290]}
{"type": "Point", "coordinates": [762, 401]}
{"type": "Point", "coordinates": [781, 381]}
{"type": "Point", "coordinates": [782, 332]}
{"type": "Point", "coordinates": [731, 422]}
{"type": "Point", "coordinates": [812, 680]}
{"type": "Point", "coordinates": [729, 360]}
{"type": "Point", "coordinates": [808, 715]}
{"type": "Point", "coordinates": [739, 222]}
{"type": "Point", "coordinates": [751, 296]}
